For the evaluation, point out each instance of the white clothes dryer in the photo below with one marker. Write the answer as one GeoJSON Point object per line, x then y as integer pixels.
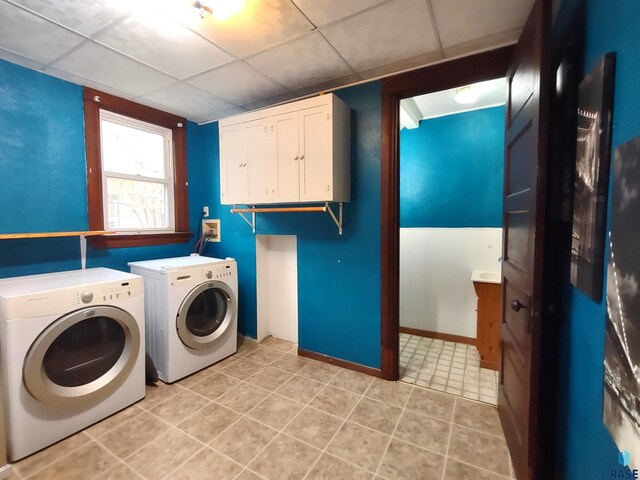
{"type": "Point", "coordinates": [191, 306]}
{"type": "Point", "coordinates": [72, 350]}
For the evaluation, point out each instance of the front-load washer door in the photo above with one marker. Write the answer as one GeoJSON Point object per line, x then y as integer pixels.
{"type": "Point", "coordinates": [206, 313]}
{"type": "Point", "coordinates": [82, 357]}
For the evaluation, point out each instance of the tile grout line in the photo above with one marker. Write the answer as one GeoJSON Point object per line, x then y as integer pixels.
{"type": "Point", "coordinates": [344, 421]}
{"type": "Point", "coordinates": [281, 431]}
{"type": "Point", "coordinates": [446, 453]}
{"type": "Point", "coordinates": [175, 427]}
{"type": "Point", "coordinates": [392, 436]}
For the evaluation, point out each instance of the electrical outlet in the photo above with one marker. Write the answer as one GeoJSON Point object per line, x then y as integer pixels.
{"type": "Point", "coordinates": [213, 226]}
{"type": "Point", "coordinates": [205, 211]}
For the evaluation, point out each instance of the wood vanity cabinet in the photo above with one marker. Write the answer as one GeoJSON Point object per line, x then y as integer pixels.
{"type": "Point", "coordinates": [293, 153]}
{"type": "Point", "coordinates": [489, 319]}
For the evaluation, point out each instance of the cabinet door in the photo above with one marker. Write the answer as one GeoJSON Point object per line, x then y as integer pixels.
{"type": "Point", "coordinates": [316, 169]}
{"type": "Point", "coordinates": [286, 151]}
{"type": "Point", "coordinates": [257, 169]}
{"type": "Point", "coordinates": [233, 158]}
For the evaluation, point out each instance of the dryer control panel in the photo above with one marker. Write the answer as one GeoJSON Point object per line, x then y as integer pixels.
{"type": "Point", "coordinates": [108, 292]}
{"type": "Point", "coordinates": [54, 302]}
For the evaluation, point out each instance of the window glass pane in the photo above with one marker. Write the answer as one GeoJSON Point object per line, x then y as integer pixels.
{"type": "Point", "coordinates": [136, 205]}
{"type": "Point", "coordinates": [84, 352]}
{"type": "Point", "coordinates": [132, 151]}
{"type": "Point", "coordinates": [207, 312]}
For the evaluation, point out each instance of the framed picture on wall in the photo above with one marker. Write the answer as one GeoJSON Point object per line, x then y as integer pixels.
{"type": "Point", "coordinates": [595, 107]}
{"type": "Point", "coordinates": [622, 334]}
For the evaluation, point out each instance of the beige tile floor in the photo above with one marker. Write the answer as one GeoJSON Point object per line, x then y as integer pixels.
{"type": "Point", "coordinates": [449, 367]}
{"type": "Point", "coordinates": [266, 413]}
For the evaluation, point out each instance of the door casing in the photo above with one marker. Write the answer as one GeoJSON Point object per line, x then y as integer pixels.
{"type": "Point", "coordinates": [442, 76]}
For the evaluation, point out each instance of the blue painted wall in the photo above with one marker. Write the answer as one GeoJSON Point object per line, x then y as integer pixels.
{"type": "Point", "coordinates": [587, 449]}
{"type": "Point", "coordinates": [338, 276]}
{"type": "Point", "coordinates": [43, 172]}
{"type": "Point", "coordinates": [42, 164]}
{"type": "Point", "coordinates": [451, 171]}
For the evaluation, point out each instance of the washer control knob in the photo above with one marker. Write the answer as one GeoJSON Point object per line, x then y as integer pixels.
{"type": "Point", "coordinates": [208, 274]}
{"type": "Point", "coordinates": [86, 296]}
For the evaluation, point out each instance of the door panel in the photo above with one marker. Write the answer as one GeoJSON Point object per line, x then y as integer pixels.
{"type": "Point", "coordinates": [233, 156]}
{"type": "Point", "coordinates": [287, 155]}
{"type": "Point", "coordinates": [525, 176]}
{"type": "Point", "coordinates": [521, 86]}
{"type": "Point", "coordinates": [257, 170]}
{"type": "Point", "coordinates": [316, 176]}
{"type": "Point", "coordinates": [516, 234]}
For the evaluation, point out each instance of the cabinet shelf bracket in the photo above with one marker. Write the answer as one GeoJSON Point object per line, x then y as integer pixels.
{"type": "Point", "coordinates": [320, 208]}
{"type": "Point", "coordinates": [338, 220]}
{"type": "Point", "coordinates": [241, 212]}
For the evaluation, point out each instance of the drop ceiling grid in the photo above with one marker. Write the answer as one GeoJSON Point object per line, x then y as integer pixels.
{"type": "Point", "coordinates": [318, 44]}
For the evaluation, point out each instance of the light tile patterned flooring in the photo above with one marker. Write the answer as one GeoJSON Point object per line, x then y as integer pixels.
{"type": "Point", "coordinates": [447, 367]}
{"type": "Point", "coordinates": [266, 413]}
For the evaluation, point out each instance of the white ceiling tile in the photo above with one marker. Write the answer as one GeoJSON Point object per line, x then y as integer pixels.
{"type": "Point", "coordinates": [460, 21]}
{"type": "Point", "coordinates": [267, 102]}
{"type": "Point", "coordinates": [403, 65]}
{"type": "Point", "coordinates": [84, 16]}
{"type": "Point", "coordinates": [33, 37]}
{"type": "Point", "coordinates": [164, 44]}
{"type": "Point", "coordinates": [386, 34]}
{"type": "Point", "coordinates": [328, 85]}
{"type": "Point", "coordinates": [302, 62]}
{"type": "Point", "coordinates": [260, 25]}
{"type": "Point", "coordinates": [237, 83]}
{"type": "Point", "coordinates": [19, 60]}
{"type": "Point", "coordinates": [186, 98]}
{"type": "Point", "coordinates": [98, 63]}
{"type": "Point", "coordinates": [70, 77]}
{"type": "Point", "coordinates": [483, 44]}
{"type": "Point", "coordinates": [212, 117]}
{"type": "Point", "coordinates": [321, 12]}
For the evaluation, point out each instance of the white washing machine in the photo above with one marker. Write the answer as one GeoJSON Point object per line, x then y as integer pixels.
{"type": "Point", "coordinates": [72, 352]}
{"type": "Point", "coordinates": [191, 306]}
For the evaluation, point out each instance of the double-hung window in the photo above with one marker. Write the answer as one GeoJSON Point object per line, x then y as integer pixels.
{"type": "Point", "coordinates": [137, 175]}
{"type": "Point", "coordinates": [136, 170]}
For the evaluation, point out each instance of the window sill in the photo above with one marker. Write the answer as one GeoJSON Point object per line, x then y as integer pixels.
{"type": "Point", "coordinates": [123, 241]}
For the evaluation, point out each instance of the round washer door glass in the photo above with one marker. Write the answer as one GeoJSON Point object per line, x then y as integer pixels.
{"type": "Point", "coordinates": [206, 313]}
{"type": "Point", "coordinates": [82, 356]}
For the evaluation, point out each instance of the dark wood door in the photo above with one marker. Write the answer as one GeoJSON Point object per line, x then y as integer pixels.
{"type": "Point", "coordinates": [524, 192]}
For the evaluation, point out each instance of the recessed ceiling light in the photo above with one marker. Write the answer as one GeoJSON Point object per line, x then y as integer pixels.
{"type": "Point", "coordinates": [466, 95]}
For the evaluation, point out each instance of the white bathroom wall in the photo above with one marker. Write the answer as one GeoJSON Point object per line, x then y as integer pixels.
{"type": "Point", "coordinates": [277, 286]}
{"type": "Point", "coordinates": [436, 292]}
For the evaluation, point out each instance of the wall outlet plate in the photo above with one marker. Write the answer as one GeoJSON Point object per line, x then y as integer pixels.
{"type": "Point", "coordinates": [211, 225]}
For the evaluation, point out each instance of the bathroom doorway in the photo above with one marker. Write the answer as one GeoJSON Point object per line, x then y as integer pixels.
{"type": "Point", "coordinates": [451, 192]}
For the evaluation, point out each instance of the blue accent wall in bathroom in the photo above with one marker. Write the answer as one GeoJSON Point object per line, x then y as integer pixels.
{"type": "Point", "coordinates": [338, 276]}
{"type": "Point", "coordinates": [587, 450]}
{"type": "Point", "coordinates": [43, 172]}
{"type": "Point", "coordinates": [451, 171]}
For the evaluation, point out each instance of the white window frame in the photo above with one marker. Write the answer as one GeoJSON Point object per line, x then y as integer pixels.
{"type": "Point", "coordinates": [168, 181]}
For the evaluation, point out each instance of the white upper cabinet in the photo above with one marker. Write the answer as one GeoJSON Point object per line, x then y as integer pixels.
{"type": "Point", "coordinates": [293, 153]}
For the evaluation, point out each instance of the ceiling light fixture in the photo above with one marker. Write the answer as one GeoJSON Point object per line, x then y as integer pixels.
{"type": "Point", "coordinates": [221, 10]}
{"type": "Point", "coordinates": [466, 95]}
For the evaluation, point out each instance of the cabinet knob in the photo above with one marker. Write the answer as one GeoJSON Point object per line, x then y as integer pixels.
{"type": "Point", "coordinates": [296, 158]}
{"type": "Point", "coordinates": [301, 157]}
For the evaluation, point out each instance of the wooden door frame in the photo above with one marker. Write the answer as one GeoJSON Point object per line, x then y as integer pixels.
{"type": "Point", "coordinates": [442, 76]}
